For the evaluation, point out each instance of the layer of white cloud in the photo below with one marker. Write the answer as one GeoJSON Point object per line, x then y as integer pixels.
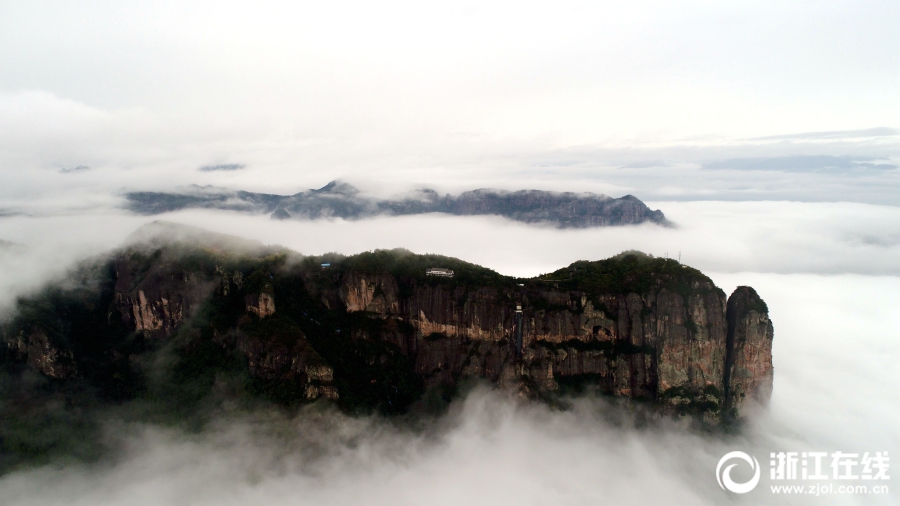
{"type": "Point", "coordinates": [779, 237]}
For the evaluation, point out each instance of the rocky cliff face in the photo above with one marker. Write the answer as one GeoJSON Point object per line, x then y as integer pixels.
{"type": "Point", "coordinates": [375, 330]}
{"type": "Point", "coordinates": [261, 304]}
{"type": "Point", "coordinates": [748, 375]}
{"type": "Point", "coordinates": [660, 344]}
{"type": "Point", "coordinates": [155, 296]}
{"type": "Point", "coordinates": [35, 348]}
{"type": "Point", "coordinates": [277, 349]}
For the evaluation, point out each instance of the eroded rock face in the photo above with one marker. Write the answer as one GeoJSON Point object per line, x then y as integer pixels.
{"type": "Point", "coordinates": [750, 332]}
{"type": "Point", "coordinates": [158, 301]}
{"type": "Point", "coordinates": [376, 293]}
{"type": "Point", "coordinates": [260, 304]}
{"type": "Point", "coordinates": [289, 357]}
{"type": "Point", "coordinates": [38, 351]}
{"type": "Point", "coordinates": [657, 345]}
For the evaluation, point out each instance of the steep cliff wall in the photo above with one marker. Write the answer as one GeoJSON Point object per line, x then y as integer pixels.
{"type": "Point", "coordinates": [749, 372]}
{"type": "Point", "coordinates": [374, 330]}
{"type": "Point", "coordinates": [156, 295]}
{"type": "Point", "coordinates": [659, 345]}
{"type": "Point", "coordinates": [278, 350]}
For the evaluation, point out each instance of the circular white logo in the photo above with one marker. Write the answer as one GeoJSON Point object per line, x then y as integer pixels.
{"type": "Point", "coordinates": [724, 476]}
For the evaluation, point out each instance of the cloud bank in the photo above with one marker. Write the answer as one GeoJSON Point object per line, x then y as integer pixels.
{"type": "Point", "coordinates": [800, 164]}
{"type": "Point", "coordinates": [777, 237]}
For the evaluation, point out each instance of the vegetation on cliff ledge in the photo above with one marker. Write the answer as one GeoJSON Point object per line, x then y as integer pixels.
{"type": "Point", "coordinates": [629, 272]}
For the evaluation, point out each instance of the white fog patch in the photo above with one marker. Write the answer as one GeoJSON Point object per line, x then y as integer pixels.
{"type": "Point", "coordinates": [717, 236]}
{"type": "Point", "coordinates": [45, 249]}
{"type": "Point", "coordinates": [783, 237]}
{"type": "Point", "coordinates": [491, 450]}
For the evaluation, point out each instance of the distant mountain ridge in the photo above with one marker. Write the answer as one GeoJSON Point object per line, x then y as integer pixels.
{"type": "Point", "coordinates": [342, 200]}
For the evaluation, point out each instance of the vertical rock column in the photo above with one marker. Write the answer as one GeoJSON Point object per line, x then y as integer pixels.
{"type": "Point", "coordinates": [748, 362]}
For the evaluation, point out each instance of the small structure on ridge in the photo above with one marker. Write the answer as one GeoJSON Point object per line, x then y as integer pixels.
{"type": "Point", "coordinates": [439, 271]}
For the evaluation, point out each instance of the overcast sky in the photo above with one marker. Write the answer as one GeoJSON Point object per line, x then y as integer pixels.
{"type": "Point", "coordinates": [664, 100]}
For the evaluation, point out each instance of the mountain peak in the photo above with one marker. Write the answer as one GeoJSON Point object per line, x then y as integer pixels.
{"type": "Point", "coordinates": [339, 188]}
